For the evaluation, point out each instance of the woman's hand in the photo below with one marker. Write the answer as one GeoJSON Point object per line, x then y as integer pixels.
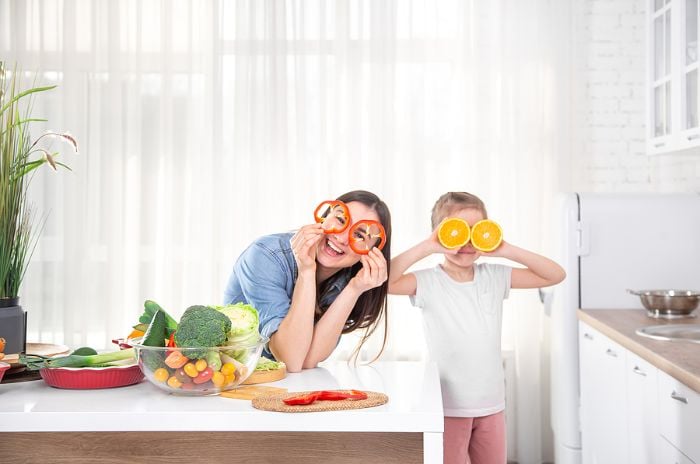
{"type": "Point", "coordinates": [304, 244]}
{"type": "Point", "coordinates": [373, 272]}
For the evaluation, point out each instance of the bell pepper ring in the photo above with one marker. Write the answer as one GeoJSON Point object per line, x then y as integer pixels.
{"type": "Point", "coordinates": [333, 215]}
{"type": "Point", "coordinates": [365, 235]}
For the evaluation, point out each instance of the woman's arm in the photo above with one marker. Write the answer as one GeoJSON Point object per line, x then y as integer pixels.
{"type": "Point", "coordinates": [291, 343]}
{"type": "Point", "coordinates": [540, 271]}
{"type": "Point", "coordinates": [329, 328]}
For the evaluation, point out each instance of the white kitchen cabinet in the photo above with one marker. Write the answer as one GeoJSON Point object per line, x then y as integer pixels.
{"type": "Point", "coordinates": [679, 416]}
{"type": "Point", "coordinates": [631, 411]}
{"type": "Point", "coordinates": [669, 454]}
{"type": "Point", "coordinates": [603, 398]}
{"type": "Point", "coordinates": [642, 410]}
{"type": "Point", "coordinates": [672, 76]}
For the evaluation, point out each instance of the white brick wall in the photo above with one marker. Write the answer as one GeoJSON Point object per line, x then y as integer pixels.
{"type": "Point", "coordinates": [609, 61]}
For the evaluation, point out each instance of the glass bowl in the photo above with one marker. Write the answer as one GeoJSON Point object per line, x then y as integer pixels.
{"type": "Point", "coordinates": [198, 371]}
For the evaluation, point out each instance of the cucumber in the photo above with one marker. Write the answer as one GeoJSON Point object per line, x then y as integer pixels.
{"type": "Point", "coordinates": [157, 331]}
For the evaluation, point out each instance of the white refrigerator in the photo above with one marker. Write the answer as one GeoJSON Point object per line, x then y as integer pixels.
{"type": "Point", "coordinates": [611, 243]}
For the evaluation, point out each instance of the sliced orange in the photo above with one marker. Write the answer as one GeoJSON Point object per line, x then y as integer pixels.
{"type": "Point", "coordinates": [453, 233]}
{"type": "Point", "coordinates": [486, 235]}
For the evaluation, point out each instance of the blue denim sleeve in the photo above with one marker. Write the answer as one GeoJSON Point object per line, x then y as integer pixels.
{"type": "Point", "coordinates": [262, 279]}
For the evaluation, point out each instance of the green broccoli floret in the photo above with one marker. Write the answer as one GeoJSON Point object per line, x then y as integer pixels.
{"type": "Point", "coordinates": [201, 326]}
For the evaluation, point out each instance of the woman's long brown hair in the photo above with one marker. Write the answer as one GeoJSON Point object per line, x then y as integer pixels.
{"type": "Point", "coordinates": [371, 305]}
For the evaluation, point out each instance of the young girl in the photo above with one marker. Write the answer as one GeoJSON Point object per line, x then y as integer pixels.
{"type": "Point", "coordinates": [462, 304]}
{"type": "Point", "coordinates": [310, 287]}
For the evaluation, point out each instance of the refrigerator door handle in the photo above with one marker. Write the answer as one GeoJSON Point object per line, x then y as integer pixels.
{"type": "Point", "coordinates": [583, 232]}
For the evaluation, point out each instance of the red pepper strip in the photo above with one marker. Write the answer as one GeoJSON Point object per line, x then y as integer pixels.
{"type": "Point", "coordinates": [333, 395]}
{"type": "Point", "coordinates": [171, 340]}
{"type": "Point", "coordinates": [357, 395]}
{"type": "Point", "coordinates": [301, 399]}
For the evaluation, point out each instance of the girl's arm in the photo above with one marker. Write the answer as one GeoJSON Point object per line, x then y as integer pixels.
{"type": "Point", "coordinates": [291, 343]}
{"type": "Point", "coordinates": [329, 328]}
{"type": "Point", "coordinates": [402, 283]}
{"type": "Point", "coordinates": [539, 272]}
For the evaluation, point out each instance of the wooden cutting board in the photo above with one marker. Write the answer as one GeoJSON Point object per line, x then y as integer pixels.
{"type": "Point", "coordinates": [276, 403]}
{"type": "Point", "coordinates": [266, 376]}
{"type": "Point", "coordinates": [253, 391]}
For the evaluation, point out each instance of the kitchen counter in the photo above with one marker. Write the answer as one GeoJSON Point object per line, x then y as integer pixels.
{"type": "Point", "coordinates": [409, 426]}
{"type": "Point", "coordinates": [680, 360]}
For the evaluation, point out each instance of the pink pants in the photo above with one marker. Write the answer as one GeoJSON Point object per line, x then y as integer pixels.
{"type": "Point", "coordinates": [475, 440]}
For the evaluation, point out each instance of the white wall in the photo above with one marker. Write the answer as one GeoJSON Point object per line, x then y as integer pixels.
{"type": "Point", "coordinates": [609, 68]}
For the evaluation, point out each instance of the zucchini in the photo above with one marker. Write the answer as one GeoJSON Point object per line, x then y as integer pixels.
{"type": "Point", "coordinates": [157, 330]}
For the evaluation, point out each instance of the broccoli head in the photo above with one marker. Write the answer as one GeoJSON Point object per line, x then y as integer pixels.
{"type": "Point", "coordinates": [201, 326]}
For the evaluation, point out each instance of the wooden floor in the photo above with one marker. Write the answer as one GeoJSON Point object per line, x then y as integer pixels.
{"type": "Point", "coordinates": [211, 447]}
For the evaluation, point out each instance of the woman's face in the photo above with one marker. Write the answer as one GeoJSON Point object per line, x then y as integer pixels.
{"type": "Point", "coordinates": [334, 250]}
{"type": "Point", "coordinates": [467, 254]}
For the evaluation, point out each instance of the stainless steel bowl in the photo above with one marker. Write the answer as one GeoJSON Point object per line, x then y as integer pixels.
{"type": "Point", "coordinates": [668, 303]}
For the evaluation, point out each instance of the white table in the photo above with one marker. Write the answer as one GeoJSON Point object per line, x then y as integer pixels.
{"type": "Point", "coordinates": [131, 420]}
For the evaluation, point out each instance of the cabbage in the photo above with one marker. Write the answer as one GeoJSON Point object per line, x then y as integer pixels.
{"type": "Point", "coordinates": [244, 326]}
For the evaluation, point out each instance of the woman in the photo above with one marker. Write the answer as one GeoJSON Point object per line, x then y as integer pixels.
{"type": "Point", "coordinates": [310, 287]}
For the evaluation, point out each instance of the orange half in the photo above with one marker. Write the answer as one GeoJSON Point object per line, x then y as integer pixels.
{"type": "Point", "coordinates": [486, 235]}
{"type": "Point", "coordinates": [453, 233]}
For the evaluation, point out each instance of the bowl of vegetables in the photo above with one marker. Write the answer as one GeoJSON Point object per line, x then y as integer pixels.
{"type": "Point", "coordinates": [210, 350]}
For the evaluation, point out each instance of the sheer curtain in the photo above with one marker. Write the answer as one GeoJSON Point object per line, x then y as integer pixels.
{"type": "Point", "coordinates": [204, 124]}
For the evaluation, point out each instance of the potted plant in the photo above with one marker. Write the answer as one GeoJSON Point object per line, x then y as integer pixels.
{"type": "Point", "coordinates": [20, 155]}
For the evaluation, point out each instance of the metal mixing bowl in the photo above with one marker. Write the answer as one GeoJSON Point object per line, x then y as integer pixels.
{"type": "Point", "coordinates": [668, 303]}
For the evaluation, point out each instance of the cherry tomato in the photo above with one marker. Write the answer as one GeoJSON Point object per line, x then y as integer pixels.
{"type": "Point", "coordinates": [201, 364]}
{"type": "Point", "coordinates": [182, 376]}
{"type": "Point", "coordinates": [334, 215]}
{"type": "Point", "coordinates": [190, 370]}
{"type": "Point", "coordinates": [161, 374]}
{"type": "Point", "coordinates": [228, 369]}
{"type": "Point", "coordinates": [173, 382]}
{"type": "Point", "coordinates": [218, 379]}
{"type": "Point", "coordinates": [204, 376]}
{"type": "Point", "coordinates": [365, 235]}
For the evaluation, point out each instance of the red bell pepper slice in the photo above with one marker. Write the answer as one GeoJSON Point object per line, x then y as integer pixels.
{"type": "Point", "coordinates": [334, 215]}
{"type": "Point", "coordinates": [171, 340]}
{"type": "Point", "coordinates": [365, 235]}
{"type": "Point", "coordinates": [301, 399]}
{"type": "Point", "coordinates": [336, 395]}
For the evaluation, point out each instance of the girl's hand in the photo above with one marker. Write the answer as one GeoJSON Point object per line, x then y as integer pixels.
{"type": "Point", "coordinates": [373, 272]}
{"type": "Point", "coordinates": [433, 245]}
{"type": "Point", "coordinates": [304, 246]}
{"type": "Point", "coordinates": [503, 251]}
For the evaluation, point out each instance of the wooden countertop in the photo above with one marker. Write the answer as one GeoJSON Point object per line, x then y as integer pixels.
{"type": "Point", "coordinates": [678, 359]}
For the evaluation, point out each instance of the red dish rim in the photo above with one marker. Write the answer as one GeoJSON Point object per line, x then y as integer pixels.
{"type": "Point", "coordinates": [91, 377]}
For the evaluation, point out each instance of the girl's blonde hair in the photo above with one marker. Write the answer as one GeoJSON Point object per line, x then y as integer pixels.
{"type": "Point", "coordinates": [450, 202]}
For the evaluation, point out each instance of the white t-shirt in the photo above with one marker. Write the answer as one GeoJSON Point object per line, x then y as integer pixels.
{"type": "Point", "coordinates": [462, 323]}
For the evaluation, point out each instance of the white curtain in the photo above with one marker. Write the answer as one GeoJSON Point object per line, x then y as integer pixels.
{"type": "Point", "coordinates": [204, 124]}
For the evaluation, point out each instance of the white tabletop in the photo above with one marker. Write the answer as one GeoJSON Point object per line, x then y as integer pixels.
{"type": "Point", "coordinates": [413, 388]}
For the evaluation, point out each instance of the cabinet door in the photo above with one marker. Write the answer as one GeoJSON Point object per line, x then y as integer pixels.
{"type": "Point", "coordinates": [689, 70]}
{"type": "Point", "coordinates": [679, 415]}
{"type": "Point", "coordinates": [642, 410]}
{"type": "Point", "coordinates": [603, 399]}
{"type": "Point", "coordinates": [669, 454]}
{"type": "Point", "coordinates": [661, 77]}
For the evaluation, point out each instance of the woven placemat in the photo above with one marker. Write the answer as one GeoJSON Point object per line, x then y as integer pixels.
{"type": "Point", "coordinates": [275, 403]}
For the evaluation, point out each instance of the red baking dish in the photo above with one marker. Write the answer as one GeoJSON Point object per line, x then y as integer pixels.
{"type": "Point", "coordinates": [3, 367]}
{"type": "Point", "coordinates": [91, 377]}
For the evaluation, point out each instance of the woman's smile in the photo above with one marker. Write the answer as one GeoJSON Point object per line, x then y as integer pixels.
{"type": "Point", "coordinates": [331, 248]}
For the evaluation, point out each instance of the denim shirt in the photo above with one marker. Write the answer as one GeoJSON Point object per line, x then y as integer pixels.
{"type": "Point", "coordinates": [264, 276]}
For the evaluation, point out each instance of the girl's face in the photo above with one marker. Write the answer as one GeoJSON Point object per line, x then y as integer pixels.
{"type": "Point", "coordinates": [333, 250]}
{"type": "Point", "coordinates": [466, 255]}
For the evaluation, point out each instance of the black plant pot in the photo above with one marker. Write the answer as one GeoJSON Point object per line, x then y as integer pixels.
{"type": "Point", "coordinates": [13, 325]}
